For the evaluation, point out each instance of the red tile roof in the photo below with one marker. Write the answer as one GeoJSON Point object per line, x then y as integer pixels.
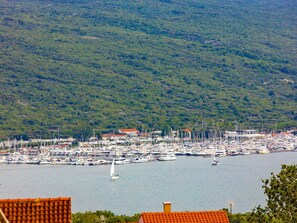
{"type": "Point", "coordinates": [187, 130]}
{"type": "Point", "coordinates": [3, 219]}
{"type": "Point", "coordinates": [185, 217]}
{"type": "Point", "coordinates": [128, 130]}
{"type": "Point", "coordinates": [33, 210]}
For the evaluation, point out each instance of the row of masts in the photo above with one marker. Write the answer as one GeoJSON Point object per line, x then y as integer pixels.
{"type": "Point", "coordinates": [196, 135]}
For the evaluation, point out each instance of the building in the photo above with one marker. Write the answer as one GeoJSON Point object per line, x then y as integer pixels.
{"type": "Point", "coordinates": [113, 136]}
{"type": "Point", "coordinates": [186, 133]}
{"type": "Point", "coordinates": [33, 210]}
{"type": "Point", "coordinates": [129, 132]}
{"type": "Point", "coordinates": [183, 217]}
{"type": "Point", "coordinates": [243, 135]}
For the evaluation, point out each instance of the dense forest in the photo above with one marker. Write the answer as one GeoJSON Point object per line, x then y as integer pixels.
{"type": "Point", "coordinates": [76, 65]}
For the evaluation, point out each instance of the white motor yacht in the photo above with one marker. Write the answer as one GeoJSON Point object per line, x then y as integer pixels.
{"type": "Point", "coordinates": [167, 157]}
{"type": "Point", "coordinates": [140, 160]}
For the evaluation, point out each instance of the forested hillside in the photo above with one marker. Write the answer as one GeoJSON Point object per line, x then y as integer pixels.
{"type": "Point", "coordinates": [77, 65]}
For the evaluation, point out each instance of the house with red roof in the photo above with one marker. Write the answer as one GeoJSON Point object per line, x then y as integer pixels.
{"type": "Point", "coordinates": [186, 133]}
{"type": "Point", "coordinates": [183, 217]}
{"type": "Point", "coordinates": [33, 210]}
{"type": "Point", "coordinates": [130, 132]}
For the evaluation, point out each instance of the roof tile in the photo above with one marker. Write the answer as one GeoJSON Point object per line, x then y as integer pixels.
{"type": "Point", "coordinates": [42, 210]}
{"type": "Point", "coordinates": [185, 217]}
{"type": "Point", "coordinates": [125, 130]}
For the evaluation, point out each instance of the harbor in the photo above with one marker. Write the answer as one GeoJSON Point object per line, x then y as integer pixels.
{"type": "Point", "coordinates": [127, 149]}
{"type": "Point", "coordinates": [194, 174]}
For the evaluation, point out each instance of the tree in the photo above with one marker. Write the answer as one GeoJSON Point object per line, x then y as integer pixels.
{"type": "Point", "coordinates": [102, 217]}
{"type": "Point", "coordinates": [281, 192]}
{"type": "Point", "coordinates": [82, 131]}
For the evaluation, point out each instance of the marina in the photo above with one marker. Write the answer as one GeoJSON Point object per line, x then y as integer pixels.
{"type": "Point", "coordinates": [131, 175]}
{"type": "Point", "coordinates": [129, 150]}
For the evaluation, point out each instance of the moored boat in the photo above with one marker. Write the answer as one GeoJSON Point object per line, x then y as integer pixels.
{"type": "Point", "coordinates": [263, 150]}
{"type": "Point", "coordinates": [140, 160]}
{"type": "Point", "coordinates": [167, 157]}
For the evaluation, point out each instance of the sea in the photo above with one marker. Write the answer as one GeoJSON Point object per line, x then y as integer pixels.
{"type": "Point", "coordinates": [189, 183]}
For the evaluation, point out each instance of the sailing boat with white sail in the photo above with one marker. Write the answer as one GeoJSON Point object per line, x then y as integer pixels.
{"type": "Point", "coordinates": [214, 160]}
{"type": "Point", "coordinates": [112, 171]}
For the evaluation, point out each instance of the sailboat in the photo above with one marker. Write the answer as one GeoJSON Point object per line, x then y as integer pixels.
{"type": "Point", "coordinates": [112, 172]}
{"type": "Point", "coordinates": [214, 160]}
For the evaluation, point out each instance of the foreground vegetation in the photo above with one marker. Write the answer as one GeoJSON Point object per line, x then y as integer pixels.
{"type": "Point", "coordinates": [102, 216]}
{"type": "Point", "coordinates": [281, 206]}
{"type": "Point", "coordinates": [153, 64]}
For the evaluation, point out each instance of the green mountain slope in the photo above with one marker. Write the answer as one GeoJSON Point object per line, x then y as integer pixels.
{"type": "Point", "coordinates": [78, 64]}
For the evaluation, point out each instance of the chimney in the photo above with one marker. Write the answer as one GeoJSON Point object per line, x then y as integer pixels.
{"type": "Point", "coordinates": [167, 207]}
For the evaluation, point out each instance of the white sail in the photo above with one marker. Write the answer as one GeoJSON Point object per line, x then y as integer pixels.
{"type": "Point", "coordinates": [112, 171]}
{"type": "Point", "coordinates": [112, 168]}
{"type": "Point", "coordinates": [214, 160]}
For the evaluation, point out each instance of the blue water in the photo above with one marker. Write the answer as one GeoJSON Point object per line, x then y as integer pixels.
{"type": "Point", "coordinates": [190, 183]}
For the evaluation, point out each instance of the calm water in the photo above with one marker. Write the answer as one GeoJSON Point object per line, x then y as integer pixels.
{"type": "Point", "coordinates": [190, 183]}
